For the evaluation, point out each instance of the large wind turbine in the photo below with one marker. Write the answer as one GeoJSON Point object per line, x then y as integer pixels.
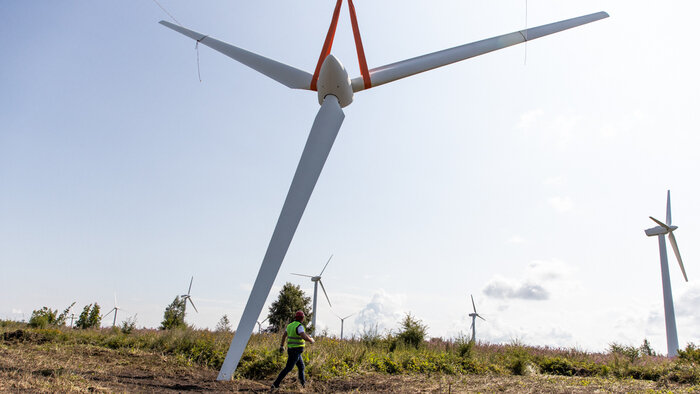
{"type": "Point", "coordinates": [317, 279]}
{"type": "Point", "coordinates": [661, 230]}
{"type": "Point", "coordinates": [188, 297]}
{"type": "Point", "coordinates": [335, 91]}
{"type": "Point", "coordinates": [474, 316]}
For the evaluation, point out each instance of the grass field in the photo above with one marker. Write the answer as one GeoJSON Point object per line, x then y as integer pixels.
{"type": "Point", "coordinates": [61, 359]}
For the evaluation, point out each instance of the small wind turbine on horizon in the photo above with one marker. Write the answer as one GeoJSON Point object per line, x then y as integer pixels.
{"type": "Point", "coordinates": [317, 279]}
{"type": "Point", "coordinates": [188, 297]}
{"type": "Point", "coordinates": [474, 316]}
{"type": "Point", "coordinates": [661, 230]}
{"type": "Point", "coordinates": [260, 324]}
{"type": "Point", "coordinates": [342, 322]}
{"type": "Point", "coordinates": [115, 310]}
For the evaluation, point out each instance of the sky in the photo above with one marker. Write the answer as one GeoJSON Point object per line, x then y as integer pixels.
{"type": "Point", "coordinates": [524, 177]}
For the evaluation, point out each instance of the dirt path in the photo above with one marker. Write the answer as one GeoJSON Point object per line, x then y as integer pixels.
{"type": "Point", "coordinates": [83, 368]}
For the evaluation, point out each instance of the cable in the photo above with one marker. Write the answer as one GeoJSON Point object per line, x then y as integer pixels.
{"type": "Point", "coordinates": [166, 11]}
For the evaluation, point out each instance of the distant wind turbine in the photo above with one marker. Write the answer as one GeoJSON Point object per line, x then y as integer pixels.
{"type": "Point", "coordinates": [115, 310]}
{"type": "Point", "coordinates": [260, 324]}
{"type": "Point", "coordinates": [661, 230]}
{"type": "Point", "coordinates": [187, 296]}
{"type": "Point", "coordinates": [474, 316]}
{"type": "Point", "coordinates": [342, 322]}
{"type": "Point", "coordinates": [317, 279]}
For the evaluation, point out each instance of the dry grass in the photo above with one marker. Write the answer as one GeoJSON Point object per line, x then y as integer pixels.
{"type": "Point", "coordinates": [55, 367]}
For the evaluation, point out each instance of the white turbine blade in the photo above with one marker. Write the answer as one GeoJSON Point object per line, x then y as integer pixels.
{"type": "Point", "coordinates": [471, 327]}
{"type": "Point", "coordinates": [348, 315]}
{"type": "Point", "coordinates": [674, 245]}
{"type": "Point", "coordinates": [115, 299]}
{"type": "Point", "coordinates": [324, 292]}
{"type": "Point", "coordinates": [280, 72]}
{"type": "Point", "coordinates": [473, 305]}
{"type": "Point", "coordinates": [308, 276]}
{"type": "Point", "coordinates": [324, 267]}
{"type": "Point", "coordinates": [479, 316]}
{"type": "Point", "coordinates": [195, 308]}
{"type": "Point", "coordinates": [660, 223]}
{"type": "Point", "coordinates": [190, 288]}
{"type": "Point", "coordinates": [406, 68]}
{"type": "Point", "coordinates": [318, 146]}
{"type": "Point", "coordinates": [668, 207]}
{"type": "Point", "coordinates": [108, 313]}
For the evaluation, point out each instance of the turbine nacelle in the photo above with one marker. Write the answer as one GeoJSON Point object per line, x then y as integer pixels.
{"type": "Point", "coordinates": [334, 80]}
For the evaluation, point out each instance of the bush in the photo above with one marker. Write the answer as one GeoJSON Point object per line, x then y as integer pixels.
{"type": "Point", "coordinates": [556, 366]}
{"type": "Point", "coordinates": [174, 315]}
{"type": "Point", "coordinates": [128, 325]}
{"type": "Point", "coordinates": [691, 354]}
{"type": "Point", "coordinates": [412, 332]}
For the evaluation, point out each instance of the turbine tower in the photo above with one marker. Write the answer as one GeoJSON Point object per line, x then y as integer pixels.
{"type": "Point", "coordinates": [661, 230]}
{"type": "Point", "coordinates": [474, 316]}
{"type": "Point", "coordinates": [335, 91]}
{"type": "Point", "coordinates": [188, 297]}
{"type": "Point", "coordinates": [317, 279]}
{"type": "Point", "coordinates": [260, 324]}
{"type": "Point", "coordinates": [342, 323]}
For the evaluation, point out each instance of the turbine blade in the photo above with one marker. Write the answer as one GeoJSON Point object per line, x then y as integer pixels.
{"type": "Point", "coordinates": [190, 288]}
{"type": "Point", "coordinates": [280, 72]}
{"type": "Point", "coordinates": [406, 68]}
{"type": "Point", "coordinates": [674, 245]}
{"type": "Point", "coordinates": [473, 305]}
{"type": "Point", "coordinates": [324, 292]}
{"type": "Point", "coordinates": [108, 313]}
{"type": "Point", "coordinates": [308, 276]}
{"type": "Point", "coordinates": [471, 327]}
{"type": "Point", "coordinates": [195, 308]}
{"type": "Point", "coordinates": [318, 146]}
{"type": "Point", "coordinates": [348, 315]}
{"type": "Point", "coordinates": [668, 207]}
{"type": "Point", "coordinates": [479, 316]}
{"type": "Point", "coordinates": [115, 299]}
{"type": "Point", "coordinates": [660, 223]}
{"type": "Point", "coordinates": [324, 267]}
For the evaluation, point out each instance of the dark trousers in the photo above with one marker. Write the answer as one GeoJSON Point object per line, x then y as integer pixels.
{"type": "Point", "coordinates": [293, 358]}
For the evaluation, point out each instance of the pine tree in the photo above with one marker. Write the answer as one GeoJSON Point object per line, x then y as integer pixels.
{"type": "Point", "coordinates": [290, 300]}
{"type": "Point", "coordinates": [224, 325]}
{"type": "Point", "coordinates": [174, 315]}
{"type": "Point", "coordinates": [89, 317]}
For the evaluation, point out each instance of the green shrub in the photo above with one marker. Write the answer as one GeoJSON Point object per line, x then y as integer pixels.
{"type": "Point", "coordinates": [412, 332]}
{"type": "Point", "coordinates": [556, 366]}
{"type": "Point", "coordinates": [691, 354]}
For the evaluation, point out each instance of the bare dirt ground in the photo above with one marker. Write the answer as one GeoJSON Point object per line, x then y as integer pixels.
{"type": "Point", "coordinates": [50, 367]}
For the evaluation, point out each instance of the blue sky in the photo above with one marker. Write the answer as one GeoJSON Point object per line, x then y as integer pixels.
{"type": "Point", "coordinates": [532, 167]}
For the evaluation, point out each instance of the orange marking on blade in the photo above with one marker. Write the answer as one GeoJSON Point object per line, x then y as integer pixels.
{"type": "Point", "coordinates": [326, 50]}
{"type": "Point", "coordinates": [358, 44]}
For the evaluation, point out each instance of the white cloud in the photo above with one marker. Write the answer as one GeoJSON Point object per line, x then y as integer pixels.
{"type": "Point", "coordinates": [505, 288]}
{"type": "Point", "coordinates": [516, 239]}
{"type": "Point", "coordinates": [384, 311]}
{"type": "Point", "coordinates": [561, 204]}
{"type": "Point", "coordinates": [529, 118]}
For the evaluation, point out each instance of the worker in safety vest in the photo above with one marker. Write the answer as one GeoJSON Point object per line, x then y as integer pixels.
{"type": "Point", "coordinates": [295, 337]}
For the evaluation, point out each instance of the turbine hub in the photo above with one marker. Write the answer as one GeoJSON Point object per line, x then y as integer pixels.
{"type": "Point", "coordinates": [333, 79]}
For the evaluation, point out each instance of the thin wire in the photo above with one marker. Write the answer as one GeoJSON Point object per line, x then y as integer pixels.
{"type": "Point", "coordinates": [196, 48]}
{"type": "Point", "coordinates": [525, 59]}
{"type": "Point", "coordinates": [166, 11]}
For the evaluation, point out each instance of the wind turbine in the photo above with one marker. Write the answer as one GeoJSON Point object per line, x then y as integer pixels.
{"type": "Point", "coordinates": [187, 297]}
{"type": "Point", "coordinates": [317, 279]}
{"type": "Point", "coordinates": [260, 324]}
{"type": "Point", "coordinates": [342, 322]}
{"type": "Point", "coordinates": [474, 316]}
{"type": "Point", "coordinates": [335, 91]}
{"type": "Point", "coordinates": [115, 310]}
{"type": "Point", "coordinates": [661, 230]}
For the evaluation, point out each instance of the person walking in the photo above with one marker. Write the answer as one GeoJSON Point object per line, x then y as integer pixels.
{"type": "Point", "coordinates": [296, 338]}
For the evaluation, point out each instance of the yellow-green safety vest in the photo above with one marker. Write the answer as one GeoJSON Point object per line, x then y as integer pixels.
{"type": "Point", "coordinates": [293, 339]}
